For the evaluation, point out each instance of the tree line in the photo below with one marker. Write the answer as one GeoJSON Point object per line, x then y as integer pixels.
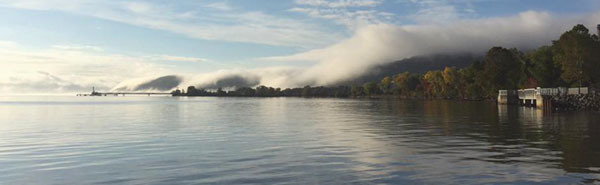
{"type": "Point", "coordinates": [571, 61]}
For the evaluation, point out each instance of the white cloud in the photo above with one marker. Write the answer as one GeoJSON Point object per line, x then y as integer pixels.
{"type": "Point", "coordinates": [379, 44]}
{"type": "Point", "coordinates": [350, 13]}
{"type": "Point", "coordinates": [370, 46]}
{"type": "Point", "coordinates": [272, 76]}
{"type": "Point", "coordinates": [436, 14]}
{"type": "Point", "coordinates": [243, 26]}
{"type": "Point", "coordinates": [220, 6]}
{"type": "Point", "coordinates": [77, 47]}
{"type": "Point", "coordinates": [383, 43]}
{"type": "Point", "coordinates": [63, 68]}
{"type": "Point", "coordinates": [139, 7]}
{"type": "Point", "coordinates": [440, 11]}
{"type": "Point", "coordinates": [440, 29]}
{"type": "Point", "coordinates": [178, 58]}
{"type": "Point", "coordinates": [7, 44]}
{"type": "Point", "coordinates": [340, 3]}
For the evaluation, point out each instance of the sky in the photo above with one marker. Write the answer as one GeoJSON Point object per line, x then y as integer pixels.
{"type": "Point", "coordinates": [53, 46]}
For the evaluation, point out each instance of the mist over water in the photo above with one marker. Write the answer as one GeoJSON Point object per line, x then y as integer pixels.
{"type": "Point", "coordinates": [167, 140]}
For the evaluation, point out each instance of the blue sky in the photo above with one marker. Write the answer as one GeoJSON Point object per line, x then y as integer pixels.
{"type": "Point", "coordinates": [200, 36]}
{"type": "Point", "coordinates": [53, 26]}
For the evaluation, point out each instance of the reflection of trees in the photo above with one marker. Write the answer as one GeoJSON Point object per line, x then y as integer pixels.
{"type": "Point", "coordinates": [487, 132]}
{"type": "Point", "coordinates": [578, 137]}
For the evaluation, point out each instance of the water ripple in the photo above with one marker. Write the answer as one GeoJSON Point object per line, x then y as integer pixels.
{"type": "Point", "coordinates": [292, 141]}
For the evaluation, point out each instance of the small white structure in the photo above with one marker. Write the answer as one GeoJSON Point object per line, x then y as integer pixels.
{"type": "Point", "coordinates": [537, 97]}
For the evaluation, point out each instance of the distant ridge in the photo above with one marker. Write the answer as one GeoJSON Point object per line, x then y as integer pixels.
{"type": "Point", "coordinates": [419, 64]}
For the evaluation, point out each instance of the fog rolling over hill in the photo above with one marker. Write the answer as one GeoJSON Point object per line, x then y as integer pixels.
{"type": "Point", "coordinates": [419, 64]}
{"type": "Point", "coordinates": [286, 48]}
{"type": "Point", "coordinates": [169, 82]}
{"type": "Point", "coordinates": [371, 51]}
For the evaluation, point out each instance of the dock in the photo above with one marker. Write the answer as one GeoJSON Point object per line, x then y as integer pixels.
{"type": "Point", "coordinates": [539, 97]}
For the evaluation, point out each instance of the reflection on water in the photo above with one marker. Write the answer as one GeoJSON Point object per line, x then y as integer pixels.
{"type": "Point", "coordinates": [166, 140]}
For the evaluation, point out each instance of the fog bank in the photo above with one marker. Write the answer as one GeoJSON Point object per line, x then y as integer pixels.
{"type": "Point", "coordinates": [382, 43]}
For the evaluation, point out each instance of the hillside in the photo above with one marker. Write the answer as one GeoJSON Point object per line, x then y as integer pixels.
{"type": "Point", "coordinates": [419, 64]}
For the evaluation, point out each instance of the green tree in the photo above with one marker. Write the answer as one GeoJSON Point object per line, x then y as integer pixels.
{"type": "Point", "coordinates": [525, 80]}
{"type": "Point", "coordinates": [401, 83]}
{"type": "Point", "coordinates": [306, 92]}
{"type": "Point", "coordinates": [406, 84]}
{"type": "Point", "coordinates": [503, 70]}
{"type": "Point", "coordinates": [262, 91]}
{"type": "Point", "coordinates": [451, 82]}
{"type": "Point", "coordinates": [371, 88]}
{"type": "Point", "coordinates": [577, 52]}
{"type": "Point", "coordinates": [220, 92]}
{"type": "Point", "coordinates": [356, 90]}
{"type": "Point", "coordinates": [413, 84]}
{"type": "Point", "coordinates": [435, 81]}
{"type": "Point", "coordinates": [543, 68]}
{"type": "Point", "coordinates": [191, 90]}
{"type": "Point", "coordinates": [471, 80]}
{"type": "Point", "coordinates": [386, 85]}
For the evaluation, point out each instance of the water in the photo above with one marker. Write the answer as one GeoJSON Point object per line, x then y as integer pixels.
{"type": "Point", "coordinates": [169, 140]}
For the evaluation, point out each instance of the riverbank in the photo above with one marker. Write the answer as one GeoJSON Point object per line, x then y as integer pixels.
{"type": "Point", "coordinates": [577, 102]}
{"type": "Point", "coordinates": [581, 102]}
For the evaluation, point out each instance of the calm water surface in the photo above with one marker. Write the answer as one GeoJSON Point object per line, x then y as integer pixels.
{"type": "Point", "coordinates": [169, 140]}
